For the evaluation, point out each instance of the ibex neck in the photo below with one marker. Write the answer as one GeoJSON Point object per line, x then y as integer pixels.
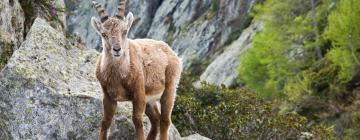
{"type": "Point", "coordinates": [116, 66]}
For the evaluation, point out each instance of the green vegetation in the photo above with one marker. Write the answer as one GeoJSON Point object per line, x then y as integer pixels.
{"type": "Point", "coordinates": [308, 55]}
{"type": "Point", "coordinates": [222, 113]}
{"type": "Point", "coordinates": [345, 37]}
{"type": "Point", "coordinates": [215, 4]}
{"type": "Point", "coordinates": [46, 8]}
{"type": "Point", "coordinates": [301, 78]}
{"type": "Point", "coordinates": [7, 48]}
{"type": "Point", "coordinates": [214, 8]}
{"type": "Point", "coordinates": [285, 47]}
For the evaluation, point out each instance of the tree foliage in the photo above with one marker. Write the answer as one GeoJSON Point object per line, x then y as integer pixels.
{"type": "Point", "coordinates": [307, 49]}
{"type": "Point", "coordinates": [344, 34]}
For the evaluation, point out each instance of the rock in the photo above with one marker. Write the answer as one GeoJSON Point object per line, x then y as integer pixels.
{"type": "Point", "coordinates": [46, 10]}
{"type": "Point", "coordinates": [12, 21]}
{"type": "Point", "coordinates": [144, 12]}
{"type": "Point", "coordinates": [195, 137]}
{"type": "Point", "coordinates": [11, 28]}
{"type": "Point", "coordinates": [197, 30]}
{"type": "Point", "coordinates": [223, 70]}
{"type": "Point", "coordinates": [7, 47]}
{"type": "Point", "coordinates": [48, 91]}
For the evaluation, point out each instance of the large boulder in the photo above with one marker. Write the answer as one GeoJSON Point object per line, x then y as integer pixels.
{"type": "Point", "coordinates": [48, 91]}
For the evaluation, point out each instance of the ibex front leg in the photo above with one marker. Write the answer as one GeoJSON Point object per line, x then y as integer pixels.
{"type": "Point", "coordinates": [139, 105]}
{"type": "Point", "coordinates": [109, 107]}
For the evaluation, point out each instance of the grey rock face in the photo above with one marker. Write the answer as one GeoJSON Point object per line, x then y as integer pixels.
{"type": "Point", "coordinates": [11, 28]}
{"type": "Point", "coordinates": [144, 12]}
{"type": "Point", "coordinates": [48, 91]}
{"type": "Point", "coordinates": [198, 29]}
{"type": "Point", "coordinates": [223, 69]}
{"type": "Point", "coordinates": [11, 21]}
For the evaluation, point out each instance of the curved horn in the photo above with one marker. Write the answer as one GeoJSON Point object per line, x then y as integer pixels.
{"type": "Point", "coordinates": [101, 11]}
{"type": "Point", "coordinates": [121, 9]}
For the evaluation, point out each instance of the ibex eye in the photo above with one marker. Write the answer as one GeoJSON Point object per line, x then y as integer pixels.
{"type": "Point", "coordinates": [124, 33]}
{"type": "Point", "coordinates": [103, 34]}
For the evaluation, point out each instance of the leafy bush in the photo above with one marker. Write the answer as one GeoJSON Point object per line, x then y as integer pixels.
{"type": "Point", "coordinates": [289, 43]}
{"type": "Point", "coordinates": [222, 113]}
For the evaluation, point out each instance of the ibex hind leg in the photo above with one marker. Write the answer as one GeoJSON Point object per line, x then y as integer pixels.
{"type": "Point", "coordinates": [109, 107]}
{"type": "Point", "coordinates": [153, 113]}
{"type": "Point", "coordinates": [168, 98]}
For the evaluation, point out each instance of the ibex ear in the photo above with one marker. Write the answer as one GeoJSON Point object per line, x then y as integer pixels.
{"type": "Point", "coordinates": [129, 19]}
{"type": "Point", "coordinates": [96, 25]}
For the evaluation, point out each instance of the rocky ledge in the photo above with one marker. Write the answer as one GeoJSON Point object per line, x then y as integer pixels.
{"type": "Point", "coordinates": [48, 91]}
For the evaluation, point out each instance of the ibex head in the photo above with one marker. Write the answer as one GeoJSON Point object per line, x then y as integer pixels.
{"type": "Point", "coordinates": [113, 30]}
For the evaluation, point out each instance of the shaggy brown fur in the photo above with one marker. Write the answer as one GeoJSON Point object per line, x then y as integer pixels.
{"type": "Point", "coordinates": [142, 71]}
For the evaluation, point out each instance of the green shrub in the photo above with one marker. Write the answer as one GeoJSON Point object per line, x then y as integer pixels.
{"type": "Point", "coordinates": [222, 113]}
{"type": "Point", "coordinates": [353, 132]}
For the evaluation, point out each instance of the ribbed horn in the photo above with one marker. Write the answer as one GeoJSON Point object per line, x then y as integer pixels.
{"type": "Point", "coordinates": [101, 11]}
{"type": "Point", "coordinates": [121, 9]}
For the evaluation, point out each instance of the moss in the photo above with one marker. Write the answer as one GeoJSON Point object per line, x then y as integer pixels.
{"type": "Point", "coordinates": [215, 5]}
{"type": "Point", "coordinates": [27, 135]}
{"type": "Point", "coordinates": [211, 12]}
{"type": "Point", "coordinates": [27, 73]}
{"type": "Point", "coordinates": [28, 111]}
{"type": "Point", "coordinates": [236, 32]}
{"type": "Point", "coordinates": [7, 50]}
{"type": "Point", "coordinates": [353, 132]}
{"type": "Point", "coordinates": [91, 120]}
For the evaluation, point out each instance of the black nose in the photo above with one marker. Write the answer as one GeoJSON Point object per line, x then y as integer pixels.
{"type": "Point", "coordinates": [116, 49]}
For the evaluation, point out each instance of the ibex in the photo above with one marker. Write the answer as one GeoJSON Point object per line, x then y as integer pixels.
{"type": "Point", "coordinates": [141, 70]}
